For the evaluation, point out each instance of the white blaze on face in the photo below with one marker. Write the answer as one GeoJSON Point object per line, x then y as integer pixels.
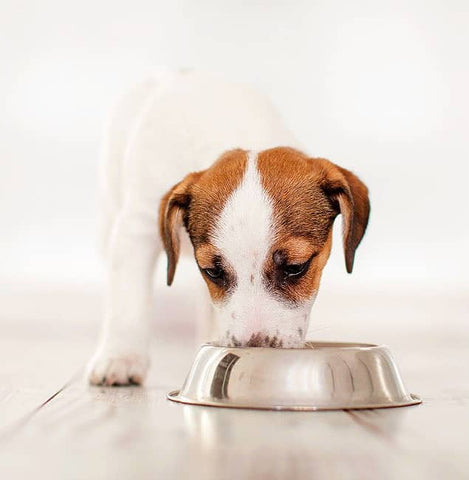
{"type": "Point", "coordinates": [244, 236]}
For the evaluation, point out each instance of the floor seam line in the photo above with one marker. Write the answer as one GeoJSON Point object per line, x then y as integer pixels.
{"type": "Point", "coordinates": [9, 431]}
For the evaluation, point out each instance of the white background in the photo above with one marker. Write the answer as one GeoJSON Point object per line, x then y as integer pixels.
{"type": "Point", "coordinates": [378, 87]}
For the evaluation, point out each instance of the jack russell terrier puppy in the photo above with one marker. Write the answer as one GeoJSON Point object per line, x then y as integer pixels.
{"type": "Point", "coordinates": [259, 218]}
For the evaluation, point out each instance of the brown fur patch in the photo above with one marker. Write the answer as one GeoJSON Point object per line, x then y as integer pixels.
{"type": "Point", "coordinates": [293, 182]}
{"type": "Point", "coordinates": [301, 289]}
{"type": "Point", "coordinates": [297, 249]}
{"type": "Point", "coordinates": [205, 254]}
{"type": "Point", "coordinates": [307, 195]}
{"type": "Point", "coordinates": [211, 192]}
{"type": "Point", "coordinates": [196, 202]}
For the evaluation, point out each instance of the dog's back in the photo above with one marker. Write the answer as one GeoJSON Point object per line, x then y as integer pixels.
{"type": "Point", "coordinates": [186, 119]}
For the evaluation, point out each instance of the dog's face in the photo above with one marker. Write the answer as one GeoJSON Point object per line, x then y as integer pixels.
{"type": "Point", "coordinates": [261, 228]}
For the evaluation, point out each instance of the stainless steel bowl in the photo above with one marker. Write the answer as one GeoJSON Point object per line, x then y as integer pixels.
{"type": "Point", "coordinates": [321, 376]}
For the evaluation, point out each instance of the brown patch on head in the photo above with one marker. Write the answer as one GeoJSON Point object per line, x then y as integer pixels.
{"type": "Point", "coordinates": [196, 202]}
{"type": "Point", "coordinates": [293, 182]}
{"type": "Point", "coordinates": [299, 287]}
{"type": "Point", "coordinates": [205, 254]}
{"type": "Point", "coordinates": [307, 194]}
{"type": "Point", "coordinates": [209, 259]}
{"type": "Point", "coordinates": [297, 249]}
{"type": "Point", "coordinates": [211, 191]}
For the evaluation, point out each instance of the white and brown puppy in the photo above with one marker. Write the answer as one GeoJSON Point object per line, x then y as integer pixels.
{"type": "Point", "coordinates": [259, 218]}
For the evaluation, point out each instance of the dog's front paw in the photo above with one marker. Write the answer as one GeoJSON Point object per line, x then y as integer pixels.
{"type": "Point", "coordinates": [118, 367]}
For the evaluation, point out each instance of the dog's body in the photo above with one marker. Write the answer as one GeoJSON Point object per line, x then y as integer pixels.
{"type": "Point", "coordinates": [259, 219]}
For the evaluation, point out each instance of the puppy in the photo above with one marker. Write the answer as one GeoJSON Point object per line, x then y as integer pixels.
{"type": "Point", "coordinates": [259, 218]}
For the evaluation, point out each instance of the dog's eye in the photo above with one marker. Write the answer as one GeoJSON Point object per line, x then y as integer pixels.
{"type": "Point", "coordinates": [215, 272]}
{"type": "Point", "coordinates": [295, 269]}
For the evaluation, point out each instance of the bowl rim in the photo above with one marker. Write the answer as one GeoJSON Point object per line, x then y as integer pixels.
{"type": "Point", "coordinates": [322, 344]}
{"type": "Point", "coordinates": [174, 396]}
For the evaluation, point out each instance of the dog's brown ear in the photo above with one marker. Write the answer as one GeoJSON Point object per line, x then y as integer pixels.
{"type": "Point", "coordinates": [350, 196]}
{"type": "Point", "coordinates": [173, 209]}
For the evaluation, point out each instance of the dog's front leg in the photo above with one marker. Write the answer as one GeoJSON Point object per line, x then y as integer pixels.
{"type": "Point", "coordinates": [122, 356]}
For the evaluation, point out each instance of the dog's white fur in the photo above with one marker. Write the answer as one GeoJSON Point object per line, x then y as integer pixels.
{"type": "Point", "coordinates": [244, 233]}
{"type": "Point", "coordinates": [171, 124]}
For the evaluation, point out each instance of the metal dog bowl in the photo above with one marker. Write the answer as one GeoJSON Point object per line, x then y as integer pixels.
{"type": "Point", "coordinates": [320, 376]}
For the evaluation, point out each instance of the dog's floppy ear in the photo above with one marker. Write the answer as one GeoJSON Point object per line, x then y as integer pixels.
{"type": "Point", "coordinates": [173, 212]}
{"type": "Point", "coordinates": [350, 196]}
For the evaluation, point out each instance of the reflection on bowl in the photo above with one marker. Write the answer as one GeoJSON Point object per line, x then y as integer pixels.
{"type": "Point", "coordinates": [321, 376]}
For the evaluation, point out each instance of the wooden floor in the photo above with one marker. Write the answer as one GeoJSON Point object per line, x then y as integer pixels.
{"type": "Point", "coordinates": [53, 425]}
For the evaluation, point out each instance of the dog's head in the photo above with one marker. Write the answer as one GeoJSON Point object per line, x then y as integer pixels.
{"type": "Point", "coordinates": [261, 228]}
